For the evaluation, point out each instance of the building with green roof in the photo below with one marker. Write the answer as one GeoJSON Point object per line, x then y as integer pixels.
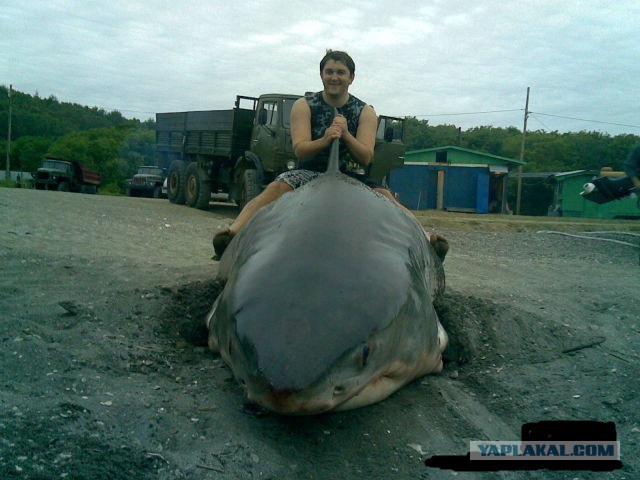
{"type": "Point", "coordinates": [567, 201]}
{"type": "Point", "coordinates": [453, 178]}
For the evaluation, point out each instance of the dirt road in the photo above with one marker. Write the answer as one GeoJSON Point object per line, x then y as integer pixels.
{"type": "Point", "coordinates": [104, 374]}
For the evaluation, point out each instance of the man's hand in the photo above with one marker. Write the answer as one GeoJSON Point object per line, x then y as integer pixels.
{"type": "Point", "coordinates": [340, 121]}
{"type": "Point", "coordinates": [332, 133]}
{"type": "Point", "coordinates": [337, 129]}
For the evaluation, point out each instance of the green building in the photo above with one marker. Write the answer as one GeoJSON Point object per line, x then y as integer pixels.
{"type": "Point", "coordinates": [461, 156]}
{"type": "Point", "coordinates": [567, 201]}
{"type": "Point", "coordinates": [454, 179]}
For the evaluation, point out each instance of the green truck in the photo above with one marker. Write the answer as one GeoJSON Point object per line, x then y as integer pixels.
{"type": "Point", "coordinates": [239, 151]}
{"type": "Point", "coordinates": [147, 182]}
{"type": "Point", "coordinates": [65, 176]}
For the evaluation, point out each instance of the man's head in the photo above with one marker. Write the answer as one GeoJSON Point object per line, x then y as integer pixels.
{"type": "Point", "coordinates": [337, 73]}
{"type": "Point", "coordinates": [338, 56]}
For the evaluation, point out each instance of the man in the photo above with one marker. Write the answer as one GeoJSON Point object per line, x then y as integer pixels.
{"type": "Point", "coordinates": [632, 167]}
{"type": "Point", "coordinates": [314, 127]}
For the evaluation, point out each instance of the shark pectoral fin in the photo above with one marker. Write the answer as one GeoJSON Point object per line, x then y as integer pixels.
{"type": "Point", "coordinates": [213, 339]}
{"type": "Point", "coordinates": [443, 338]}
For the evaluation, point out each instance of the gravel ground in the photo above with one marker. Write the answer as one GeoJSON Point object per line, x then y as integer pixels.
{"type": "Point", "coordinates": [105, 374]}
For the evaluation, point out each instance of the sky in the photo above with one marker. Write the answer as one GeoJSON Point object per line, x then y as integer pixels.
{"type": "Point", "coordinates": [460, 62]}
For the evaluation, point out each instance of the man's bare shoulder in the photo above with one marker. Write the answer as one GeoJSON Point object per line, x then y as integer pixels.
{"type": "Point", "coordinates": [369, 111]}
{"type": "Point", "coordinates": [368, 115]}
{"type": "Point", "coordinates": [301, 103]}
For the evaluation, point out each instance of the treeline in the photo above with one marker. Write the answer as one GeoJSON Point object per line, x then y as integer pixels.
{"type": "Point", "coordinates": [116, 146]}
{"type": "Point", "coordinates": [544, 152]}
{"type": "Point", "coordinates": [101, 140]}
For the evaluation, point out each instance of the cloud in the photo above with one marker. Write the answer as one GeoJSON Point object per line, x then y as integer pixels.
{"type": "Point", "coordinates": [413, 57]}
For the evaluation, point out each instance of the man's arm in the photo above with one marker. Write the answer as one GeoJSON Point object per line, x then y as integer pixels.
{"type": "Point", "coordinates": [303, 146]}
{"type": "Point", "coordinates": [632, 166]}
{"type": "Point", "coordinates": [362, 145]}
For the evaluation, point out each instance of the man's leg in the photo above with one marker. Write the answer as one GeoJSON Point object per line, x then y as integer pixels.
{"type": "Point", "coordinates": [273, 191]}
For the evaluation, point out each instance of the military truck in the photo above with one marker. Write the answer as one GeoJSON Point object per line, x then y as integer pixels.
{"type": "Point", "coordinates": [241, 150]}
{"type": "Point", "coordinates": [65, 176]}
{"type": "Point", "coordinates": [146, 183]}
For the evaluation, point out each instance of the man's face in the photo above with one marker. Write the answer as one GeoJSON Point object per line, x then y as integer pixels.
{"type": "Point", "coordinates": [336, 78]}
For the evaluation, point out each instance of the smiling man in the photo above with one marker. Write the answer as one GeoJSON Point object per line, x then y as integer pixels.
{"type": "Point", "coordinates": [314, 126]}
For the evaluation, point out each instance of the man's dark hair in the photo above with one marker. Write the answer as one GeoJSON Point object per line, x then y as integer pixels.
{"type": "Point", "coordinates": [338, 56]}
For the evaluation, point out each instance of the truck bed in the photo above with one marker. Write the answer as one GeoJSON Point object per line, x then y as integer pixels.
{"type": "Point", "coordinates": [89, 176]}
{"type": "Point", "coordinates": [225, 133]}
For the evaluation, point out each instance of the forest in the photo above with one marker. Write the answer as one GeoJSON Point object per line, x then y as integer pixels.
{"type": "Point", "coordinates": [103, 141]}
{"type": "Point", "coordinates": [116, 146]}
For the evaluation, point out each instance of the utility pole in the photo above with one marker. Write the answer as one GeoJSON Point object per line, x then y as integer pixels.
{"type": "Point", "coordinates": [524, 134]}
{"type": "Point", "coordinates": [8, 165]}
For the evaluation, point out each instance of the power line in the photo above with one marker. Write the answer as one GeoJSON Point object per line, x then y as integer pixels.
{"type": "Point", "coordinates": [587, 120]}
{"type": "Point", "coordinates": [466, 113]}
{"type": "Point", "coordinates": [539, 121]}
{"type": "Point", "coordinates": [565, 117]}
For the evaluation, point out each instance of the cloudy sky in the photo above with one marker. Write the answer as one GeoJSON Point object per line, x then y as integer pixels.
{"type": "Point", "coordinates": [426, 58]}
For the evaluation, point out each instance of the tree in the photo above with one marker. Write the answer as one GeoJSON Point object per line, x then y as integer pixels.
{"type": "Point", "coordinates": [114, 152]}
{"type": "Point", "coordinates": [27, 152]}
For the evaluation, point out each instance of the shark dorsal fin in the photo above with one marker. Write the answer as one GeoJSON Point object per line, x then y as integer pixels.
{"type": "Point", "coordinates": [334, 155]}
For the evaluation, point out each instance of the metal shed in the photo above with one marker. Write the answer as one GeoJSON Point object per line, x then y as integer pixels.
{"type": "Point", "coordinates": [453, 178]}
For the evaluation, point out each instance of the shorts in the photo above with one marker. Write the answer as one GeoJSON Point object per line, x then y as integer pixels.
{"type": "Point", "coordinates": [297, 178]}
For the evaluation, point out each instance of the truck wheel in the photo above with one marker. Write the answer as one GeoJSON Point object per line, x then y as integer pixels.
{"type": "Point", "coordinates": [250, 187]}
{"type": "Point", "coordinates": [175, 183]}
{"type": "Point", "coordinates": [157, 192]}
{"type": "Point", "coordinates": [198, 191]}
{"type": "Point", "coordinates": [63, 187]}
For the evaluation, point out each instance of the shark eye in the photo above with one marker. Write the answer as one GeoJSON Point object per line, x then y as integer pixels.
{"type": "Point", "coordinates": [365, 355]}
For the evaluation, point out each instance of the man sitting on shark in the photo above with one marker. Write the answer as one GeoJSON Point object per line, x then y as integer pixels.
{"type": "Point", "coordinates": [314, 127]}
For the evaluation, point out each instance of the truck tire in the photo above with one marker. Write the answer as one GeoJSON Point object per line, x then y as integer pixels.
{"type": "Point", "coordinates": [250, 187]}
{"type": "Point", "coordinates": [63, 187]}
{"type": "Point", "coordinates": [157, 192]}
{"type": "Point", "coordinates": [175, 182]}
{"type": "Point", "coordinates": [198, 188]}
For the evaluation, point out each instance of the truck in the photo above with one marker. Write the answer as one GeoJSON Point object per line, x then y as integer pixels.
{"type": "Point", "coordinates": [66, 176]}
{"type": "Point", "coordinates": [147, 182]}
{"type": "Point", "coordinates": [237, 152]}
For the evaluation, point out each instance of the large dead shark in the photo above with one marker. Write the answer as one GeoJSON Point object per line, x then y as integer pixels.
{"type": "Point", "coordinates": [328, 300]}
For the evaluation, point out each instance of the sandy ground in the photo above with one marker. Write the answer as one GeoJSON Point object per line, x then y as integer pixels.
{"type": "Point", "coordinates": [104, 374]}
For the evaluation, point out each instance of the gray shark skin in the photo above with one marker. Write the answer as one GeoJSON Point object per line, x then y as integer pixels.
{"type": "Point", "coordinates": [328, 300]}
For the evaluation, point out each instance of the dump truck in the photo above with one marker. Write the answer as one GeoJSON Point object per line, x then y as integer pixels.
{"type": "Point", "coordinates": [65, 176]}
{"type": "Point", "coordinates": [147, 182]}
{"type": "Point", "coordinates": [239, 151]}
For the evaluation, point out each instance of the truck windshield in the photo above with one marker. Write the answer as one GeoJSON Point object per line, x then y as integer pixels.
{"type": "Point", "coordinates": [56, 165]}
{"type": "Point", "coordinates": [150, 171]}
{"type": "Point", "coordinates": [390, 129]}
{"type": "Point", "coordinates": [286, 114]}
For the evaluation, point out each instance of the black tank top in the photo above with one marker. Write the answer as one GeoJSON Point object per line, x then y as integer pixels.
{"type": "Point", "coordinates": [321, 118]}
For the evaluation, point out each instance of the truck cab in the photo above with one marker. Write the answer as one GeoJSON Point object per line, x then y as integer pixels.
{"type": "Point", "coordinates": [146, 182]}
{"type": "Point", "coordinates": [52, 174]}
{"type": "Point", "coordinates": [271, 134]}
